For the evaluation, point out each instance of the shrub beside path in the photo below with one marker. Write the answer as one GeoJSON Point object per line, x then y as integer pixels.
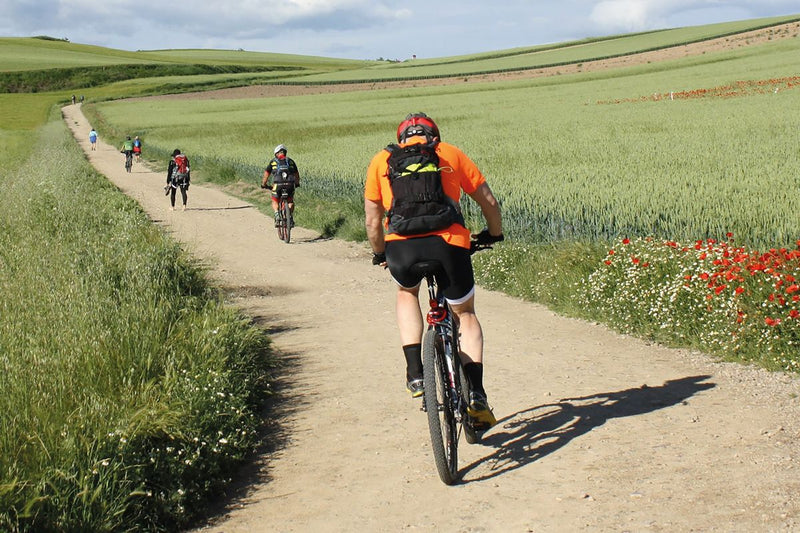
{"type": "Point", "coordinates": [597, 431]}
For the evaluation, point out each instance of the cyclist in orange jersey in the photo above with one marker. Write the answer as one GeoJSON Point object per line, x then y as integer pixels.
{"type": "Point", "coordinates": [450, 245]}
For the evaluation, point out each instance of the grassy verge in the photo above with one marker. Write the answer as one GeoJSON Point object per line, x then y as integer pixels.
{"type": "Point", "coordinates": [717, 296]}
{"type": "Point", "coordinates": [128, 392]}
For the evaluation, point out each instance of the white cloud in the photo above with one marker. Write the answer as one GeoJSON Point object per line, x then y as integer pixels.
{"type": "Point", "coordinates": [616, 16]}
{"type": "Point", "coordinates": [620, 15]}
{"type": "Point", "coordinates": [361, 29]}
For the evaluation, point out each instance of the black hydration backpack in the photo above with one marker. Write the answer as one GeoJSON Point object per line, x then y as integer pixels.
{"type": "Point", "coordinates": [420, 204]}
{"type": "Point", "coordinates": [283, 175]}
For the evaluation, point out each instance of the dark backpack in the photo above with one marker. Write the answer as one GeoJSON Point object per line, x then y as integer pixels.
{"type": "Point", "coordinates": [419, 203]}
{"type": "Point", "coordinates": [283, 175]}
{"type": "Point", "coordinates": [180, 174]}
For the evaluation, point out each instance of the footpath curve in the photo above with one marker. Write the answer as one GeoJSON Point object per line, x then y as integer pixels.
{"type": "Point", "coordinates": [597, 431]}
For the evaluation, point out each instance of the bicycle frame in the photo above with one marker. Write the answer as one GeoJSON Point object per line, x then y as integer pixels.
{"type": "Point", "coordinates": [442, 319]}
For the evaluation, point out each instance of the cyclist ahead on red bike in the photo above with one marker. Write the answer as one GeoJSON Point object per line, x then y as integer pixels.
{"type": "Point", "coordinates": [281, 174]}
{"type": "Point", "coordinates": [414, 231]}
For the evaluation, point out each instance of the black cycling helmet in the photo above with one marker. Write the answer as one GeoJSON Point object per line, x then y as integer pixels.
{"type": "Point", "coordinates": [417, 124]}
{"type": "Point", "coordinates": [175, 152]}
{"type": "Point", "coordinates": [129, 138]}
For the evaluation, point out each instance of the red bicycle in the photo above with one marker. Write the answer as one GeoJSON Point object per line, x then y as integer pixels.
{"type": "Point", "coordinates": [446, 388]}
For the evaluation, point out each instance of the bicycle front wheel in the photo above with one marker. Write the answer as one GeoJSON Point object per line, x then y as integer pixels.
{"type": "Point", "coordinates": [280, 222]}
{"type": "Point", "coordinates": [287, 218]}
{"type": "Point", "coordinates": [439, 406]}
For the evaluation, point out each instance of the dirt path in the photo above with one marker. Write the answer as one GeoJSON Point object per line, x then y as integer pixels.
{"type": "Point", "coordinates": [597, 432]}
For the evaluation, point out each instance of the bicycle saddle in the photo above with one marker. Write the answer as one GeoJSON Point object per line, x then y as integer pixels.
{"type": "Point", "coordinates": [424, 268]}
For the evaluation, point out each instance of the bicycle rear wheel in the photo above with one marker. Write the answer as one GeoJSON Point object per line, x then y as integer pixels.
{"type": "Point", "coordinates": [128, 162]}
{"type": "Point", "coordinates": [438, 404]}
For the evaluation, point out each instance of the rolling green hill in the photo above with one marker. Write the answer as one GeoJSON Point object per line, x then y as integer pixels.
{"type": "Point", "coordinates": [44, 64]}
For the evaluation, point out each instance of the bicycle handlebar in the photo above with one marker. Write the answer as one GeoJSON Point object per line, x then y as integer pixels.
{"type": "Point", "coordinates": [475, 246]}
{"type": "Point", "coordinates": [483, 241]}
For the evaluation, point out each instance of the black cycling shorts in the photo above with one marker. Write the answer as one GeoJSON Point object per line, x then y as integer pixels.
{"type": "Point", "coordinates": [277, 191]}
{"type": "Point", "coordinates": [458, 283]}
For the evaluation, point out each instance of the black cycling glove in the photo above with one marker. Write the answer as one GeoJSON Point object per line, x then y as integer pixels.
{"type": "Point", "coordinates": [484, 237]}
{"type": "Point", "coordinates": [378, 258]}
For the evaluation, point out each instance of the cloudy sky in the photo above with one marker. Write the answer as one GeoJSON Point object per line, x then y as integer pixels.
{"type": "Point", "coordinates": [361, 29]}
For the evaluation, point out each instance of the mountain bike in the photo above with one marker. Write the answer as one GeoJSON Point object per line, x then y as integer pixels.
{"type": "Point", "coordinates": [446, 388]}
{"type": "Point", "coordinates": [283, 219]}
{"type": "Point", "coordinates": [128, 160]}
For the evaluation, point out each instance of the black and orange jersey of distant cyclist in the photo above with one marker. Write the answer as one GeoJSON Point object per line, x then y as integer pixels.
{"type": "Point", "coordinates": [458, 173]}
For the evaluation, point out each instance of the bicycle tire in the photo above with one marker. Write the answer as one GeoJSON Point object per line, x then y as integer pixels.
{"type": "Point", "coordinates": [287, 217]}
{"type": "Point", "coordinates": [441, 419]}
{"type": "Point", "coordinates": [280, 225]}
{"type": "Point", "coordinates": [128, 163]}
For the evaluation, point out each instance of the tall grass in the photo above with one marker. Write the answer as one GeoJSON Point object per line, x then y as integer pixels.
{"type": "Point", "coordinates": [578, 157]}
{"type": "Point", "coordinates": [128, 392]}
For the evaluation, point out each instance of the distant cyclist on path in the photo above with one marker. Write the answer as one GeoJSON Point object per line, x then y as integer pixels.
{"type": "Point", "coordinates": [274, 179]}
{"type": "Point", "coordinates": [396, 248]}
{"type": "Point", "coordinates": [127, 148]}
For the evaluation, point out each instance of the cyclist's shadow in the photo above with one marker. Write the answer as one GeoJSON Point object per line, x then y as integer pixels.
{"type": "Point", "coordinates": [527, 436]}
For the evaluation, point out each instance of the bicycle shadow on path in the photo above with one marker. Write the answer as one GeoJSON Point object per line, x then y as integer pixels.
{"type": "Point", "coordinates": [531, 434]}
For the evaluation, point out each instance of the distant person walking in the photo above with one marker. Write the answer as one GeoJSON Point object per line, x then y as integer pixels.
{"type": "Point", "coordinates": [73, 99]}
{"type": "Point", "coordinates": [137, 148]}
{"type": "Point", "coordinates": [93, 138]}
{"type": "Point", "coordinates": [178, 177]}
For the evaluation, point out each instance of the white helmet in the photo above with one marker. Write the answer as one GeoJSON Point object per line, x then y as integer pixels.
{"type": "Point", "coordinates": [279, 148]}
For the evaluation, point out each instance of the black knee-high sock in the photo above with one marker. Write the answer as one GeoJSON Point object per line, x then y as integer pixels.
{"type": "Point", "coordinates": [413, 353]}
{"type": "Point", "coordinates": [474, 372]}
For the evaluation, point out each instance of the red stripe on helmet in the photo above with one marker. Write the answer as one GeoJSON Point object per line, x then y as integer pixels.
{"type": "Point", "coordinates": [427, 124]}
